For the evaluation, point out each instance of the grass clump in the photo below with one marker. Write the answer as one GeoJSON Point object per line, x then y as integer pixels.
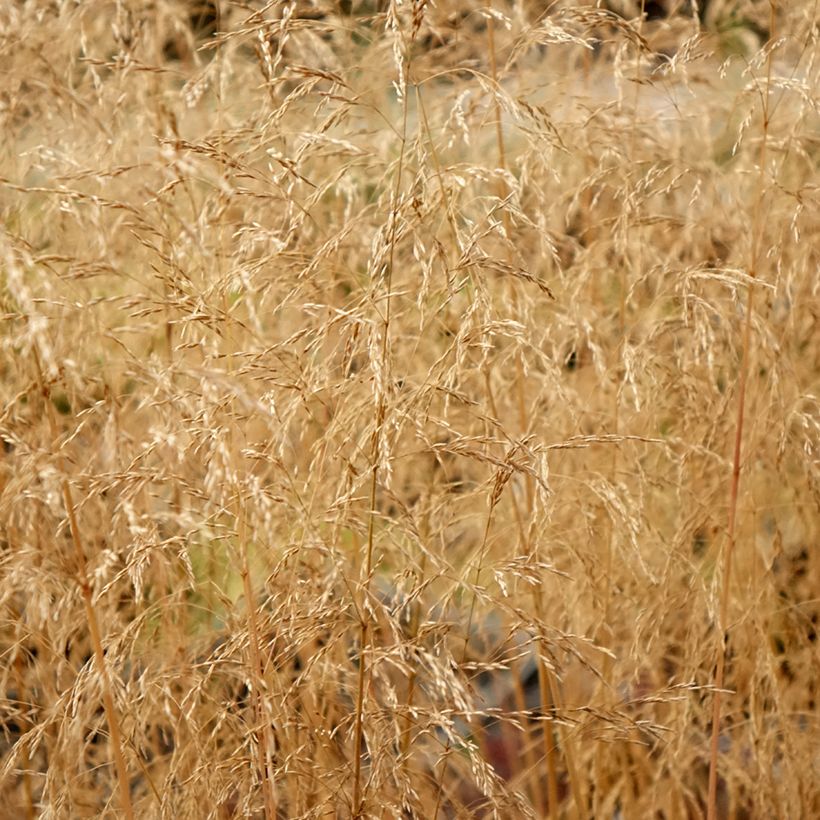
{"type": "Point", "coordinates": [409, 410]}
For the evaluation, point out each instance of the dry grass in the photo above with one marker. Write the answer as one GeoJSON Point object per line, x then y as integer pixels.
{"type": "Point", "coordinates": [371, 383]}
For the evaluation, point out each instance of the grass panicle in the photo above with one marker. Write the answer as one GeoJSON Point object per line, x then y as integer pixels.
{"type": "Point", "coordinates": [409, 409]}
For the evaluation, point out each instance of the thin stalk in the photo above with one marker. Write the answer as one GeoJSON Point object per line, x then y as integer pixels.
{"type": "Point", "coordinates": [411, 683]}
{"type": "Point", "coordinates": [117, 744]}
{"type": "Point", "coordinates": [547, 686]}
{"type": "Point", "coordinates": [572, 770]}
{"type": "Point", "coordinates": [445, 197]}
{"type": "Point", "coordinates": [24, 724]}
{"type": "Point", "coordinates": [549, 740]}
{"type": "Point", "coordinates": [727, 563]}
{"type": "Point", "coordinates": [530, 742]}
{"type": "Point", "coordinates": [731, 536]}
{"type": "Point", "coordinates": [415, 620]}
{"type": "Point", "coordinates": [601, 752]}
{"type": "Point", "coordinates": [550, 696]}
{"type": "Point", "coordinates": [476, 577]}
{"type": "Point", "coordinates": [524, 425]}
{"type": "Point", "coordinates": [537, 793]}
{"type": "Point", "coordinates": [381, 413]}
{"type": "Point", "coordinates": [499, 131]}
{"type": "Point", "coordinates": [265, 741]}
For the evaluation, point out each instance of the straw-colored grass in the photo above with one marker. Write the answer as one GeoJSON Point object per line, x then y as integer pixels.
{"type": "Point", "coordinates": [409, 410]}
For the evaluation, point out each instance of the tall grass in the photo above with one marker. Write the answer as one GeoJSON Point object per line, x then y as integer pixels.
{"type": "Point", "coordinates": [371, 442]}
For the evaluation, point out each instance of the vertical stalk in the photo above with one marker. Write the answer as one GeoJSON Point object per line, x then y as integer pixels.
{"type": "Point", "coordinates": [549, 739]}
{"type": "Point", "coordinates": [375, 450]}
{"type": "Point", "coordinates": [731, 535]}
{"type": "Point", "coordinates": [117, 743]}
{"type": "Point", "coordinates": [547, 686]}
{"type": "Point", "coordinates": [537, 792]}
{"type": "Point", "coordinates": [265, 742]}
{"type": "Point", "coordinates": [415, 617]}
{"type": "Point", "coordinates": [24, 723]}
{"type": "Point", "coordinates": [601, 754]}
{"type": "Point", "coordinates": [496, 493]}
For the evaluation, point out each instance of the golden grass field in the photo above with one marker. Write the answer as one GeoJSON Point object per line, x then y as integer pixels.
{"type": "Point", "coordinates": [410, 410]}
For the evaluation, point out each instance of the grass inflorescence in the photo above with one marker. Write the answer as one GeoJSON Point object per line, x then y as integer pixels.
{"type": "Point", "coordinates": [409, 410]}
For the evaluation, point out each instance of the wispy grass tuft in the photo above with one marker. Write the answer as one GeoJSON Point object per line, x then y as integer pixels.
{"type": "Point", "coordinates": [378, 383]}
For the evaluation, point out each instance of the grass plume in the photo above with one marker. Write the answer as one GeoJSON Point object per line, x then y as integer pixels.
{"type": "Point", "coordinates": [372, 376]}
